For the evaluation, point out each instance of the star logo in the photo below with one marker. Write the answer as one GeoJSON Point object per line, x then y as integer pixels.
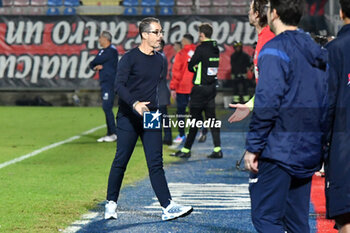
{"type": "Point", "coordinates": [151, 120]}
{"type": "Point", "coordinates": [156, 115]}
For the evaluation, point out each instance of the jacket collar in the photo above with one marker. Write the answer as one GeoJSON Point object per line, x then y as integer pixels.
{"type": "Point", "coordinates": [344, 30]}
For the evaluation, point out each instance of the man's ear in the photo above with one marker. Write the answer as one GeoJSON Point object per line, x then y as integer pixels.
{"type": "Point", "coordinates": [341, 15]}
{"type": "Point", "coordinates": [274, 14]}
{"type": "Point", "coordinates": [256, 15]}
{"type": "Point", "coordinates": [144, 35]}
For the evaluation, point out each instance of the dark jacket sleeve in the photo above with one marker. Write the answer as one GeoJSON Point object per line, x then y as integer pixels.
{"type": "Point", "coordinates": [195, 60]}
{"type": "Point", "coordinates": [100, 58]}
{"type": "Point", "coordinates": [333, 85]}
{"type": "Point", "coordinates": [124, 68]}
{"type": "Point", "coordinates": [268, 96]}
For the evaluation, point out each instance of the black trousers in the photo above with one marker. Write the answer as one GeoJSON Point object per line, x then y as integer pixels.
{"type": "Point", "coordinates": [203, 100]}
{"type": "Point", "coordinates": [128, 131]}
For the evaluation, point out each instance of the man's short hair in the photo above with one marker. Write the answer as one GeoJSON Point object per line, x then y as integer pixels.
{"type": "Point", "coordinates": [107, 35]}
{"type": "Point", "coordinates": [189, 37]}
{"type": "Point", "coordinates": [206, 29]}
{"type": "Point", "coordinates": [345, 7]}
{"type": "Point", "coordinates": [259, 7]}
{"type": "Point", "coordinates": [145, 24]}
{"type": "Point", "coordinates": [289, 11]}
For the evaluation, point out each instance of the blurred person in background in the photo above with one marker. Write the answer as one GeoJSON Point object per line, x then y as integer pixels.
{"type": "Point", "coordinates": [106, 63]}
{"type": "Point", "coordinates": [177, 47]}
{"type": "Point", "coordinates": [337, 163]}
{"type": "Point", "coordinates": [204, 64]}
{"type": "Point", "coordinates": [240, 64]}
{"type": "Point", "coordinates": [257, 18]}
{"type": "Point", "coordinates": [181, 82]}
{"type": "Point", "coordinates": [164, 96]}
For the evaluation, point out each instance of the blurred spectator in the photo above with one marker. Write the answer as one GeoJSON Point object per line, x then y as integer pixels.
{"type": "Point", "coordinates": [240, 63]}
{"type": "Point", "coordinates": [338, 161]}
{"type": "Point", "coordinates": [106, 63]}
{"type": "Point", "coordinates": [181, 82]}
{"type": "Point", "coordinates": [177, 46]}
{"type": "Point", "coordinates": [164, 96]}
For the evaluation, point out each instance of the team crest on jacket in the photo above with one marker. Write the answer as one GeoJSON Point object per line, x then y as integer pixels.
{"type": "Point", "coordinates": [348, 79]}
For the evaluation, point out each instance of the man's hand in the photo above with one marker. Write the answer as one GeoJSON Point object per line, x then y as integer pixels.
{"type": "Point", "coordinates": [141, 107]}
{"type": "Point", "coordinates": [242, 111]}
{"type": "Point", "coordinates": [173, 94]}
{"type": "Point", "coordinates": [98, 67]}
{"type": "Point", "coordinates": [251, 161]}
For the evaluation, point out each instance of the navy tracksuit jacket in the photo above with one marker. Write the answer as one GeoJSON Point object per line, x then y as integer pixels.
{"type": "Point", "coordinates": [338, 161]}
{"type": "Point", "coordinates": [287, 130]}
{"type": "Point", "coordinates": [108, 58]}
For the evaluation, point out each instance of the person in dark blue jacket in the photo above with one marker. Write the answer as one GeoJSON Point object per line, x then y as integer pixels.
{"type": "Point", "coordinates": [106, 63]}
{"type": "Point", "coordinates": [288, 126]}
{"type": "Point", "coordinates": [338, 161]}
{"type": "Point", "coordinates": [139, 74]}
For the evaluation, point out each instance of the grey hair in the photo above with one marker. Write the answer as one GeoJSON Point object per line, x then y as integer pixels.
{"type": "Point", "coordinates": [107, 35]}
{"type": "Point", "coordinates": [145, 24]}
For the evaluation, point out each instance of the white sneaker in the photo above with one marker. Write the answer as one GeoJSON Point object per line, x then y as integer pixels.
{"type": "Point", "coordinates": [102, 139]}
{"type": "Point", "coordinates": [111, 210]}
{"type": "Point", "coordinates": [108, 138]}
{"type": "Point", "coordinates": [174, 210]}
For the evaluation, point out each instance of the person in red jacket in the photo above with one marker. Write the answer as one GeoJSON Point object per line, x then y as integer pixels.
{"type": "Point", "coordinates": [181, 82]}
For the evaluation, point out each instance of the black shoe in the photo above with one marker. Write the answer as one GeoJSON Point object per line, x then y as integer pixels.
{"type": "Point", "coordinates": [216, 155]}
{"type": "Point", "coordinates": [181, 154]}
{"type": "Point", "coordinates": [202, 138]}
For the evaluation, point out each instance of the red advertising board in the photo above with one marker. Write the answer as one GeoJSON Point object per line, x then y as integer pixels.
{"type": "Point", "coordinates": [55, 52]}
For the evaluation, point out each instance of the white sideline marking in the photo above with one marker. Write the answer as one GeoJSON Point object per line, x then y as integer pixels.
{"type": "Point", "coordinates": [209, 196]}
{"type": "Point", "coordinates": [77, 225]}
{"type": "Point", "coordinates": [31, 154]}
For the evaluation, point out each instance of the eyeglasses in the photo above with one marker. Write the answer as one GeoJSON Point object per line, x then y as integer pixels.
{"type": "Point", "coordinates": [157, 33]}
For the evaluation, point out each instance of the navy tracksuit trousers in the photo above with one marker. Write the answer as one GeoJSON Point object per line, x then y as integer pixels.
{"type": "Point", "coordinates": [107, 96]}
{"type": "Point", "coordinates": [280, 202]}
{"type": "Point", "coordinates": [128, 131]}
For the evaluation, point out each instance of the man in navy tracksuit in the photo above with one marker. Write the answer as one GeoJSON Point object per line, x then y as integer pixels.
{"type": "Point", "coordinates": [338, 161]}
{"type": "Point", "coordinates": [139, 74]}
{"type": "Point", "coordinates": [288, 126]}
{"type": "Point", "coordinates": [106, 63]}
